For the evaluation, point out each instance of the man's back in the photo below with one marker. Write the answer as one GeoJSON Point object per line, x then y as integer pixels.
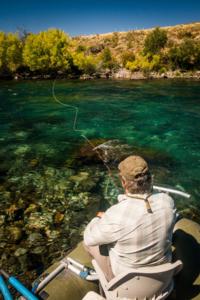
{"type": "Point", "coordinates": [134, 236]}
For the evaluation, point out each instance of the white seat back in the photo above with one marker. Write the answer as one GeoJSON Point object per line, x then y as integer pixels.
{"type": "Point", "coordinates": [145, 283]}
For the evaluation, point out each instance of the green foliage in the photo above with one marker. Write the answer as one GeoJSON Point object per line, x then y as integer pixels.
{"type": "Point", "coordinates": [47, 50]}
{"type": "Point", "coordinates": [162, 70]}
{"type": "Point", "coordinates": [145, 63]}
{"type": "Point", "coordinates": [107, 41]}
{"type": "Point", "coordinates": [115, 39]}
{"type": "Point", "coordinates": [108, 61]}
{"type": "Point", "coordinates": [2, 50]}
{"type": "Point", "coordinates": [185, 34]}
{"type": "Point", "coordinates": [130, 37]}
{"type": "Point", "coordinates": [81, 48]}
{"type": "Point", "coordinates": [10, 52]}
{"type": "Point", "coordinates": [186, 56]}
{"type": "Point", "coordinates": [96, 48]}
{"type": "Point", "coordinates": [13, 52]}
{"type": "Point", "coordinates": [52, 51]}
{"type": "Point", "coordinates": [127, 56]}
{"type": "Point", "coordinates": [155, 41]}
{"type": "Point", "coordinates": [87, 64]}
{"type": "Point", "coordinates": [106, 58]}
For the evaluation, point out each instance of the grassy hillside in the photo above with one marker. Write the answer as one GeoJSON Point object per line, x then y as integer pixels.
{"type": "Point", "coordinates": [133, 40]}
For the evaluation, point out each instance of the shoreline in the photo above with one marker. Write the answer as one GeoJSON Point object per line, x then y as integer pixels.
{"type": "Point", "coordinates": [121, 74]}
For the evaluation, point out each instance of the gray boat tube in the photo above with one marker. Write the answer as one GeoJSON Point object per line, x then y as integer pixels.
{"type": "Point", "coordinates": [72, 265]}
{"type": "Point", "coordinates": [171, 191]}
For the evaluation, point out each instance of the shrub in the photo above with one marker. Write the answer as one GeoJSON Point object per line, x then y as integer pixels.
{"type": "Point", "coordinates": [155, 41]}
{"type": "Point", "coordinates": [115, 39]}
{"type": "Point", "coordinates": [185, 34]}
{"type": "Point", "coordinates": [96, 49]}
{"type": "Point", "coordinates": [108, 61]}
{"type": "Point", "coordinates": [86, 64]}
{"type": "Point", "coordinates": [127, 56]}
{"type": "Point", "coordinates": [81, 48]}
{"type": "Point", "coordinates": [162, 70]}
{"type": "Point", "coordinates": [145, 63]}
{"type": "Point", "coordinates": [10, 52]}
{"type": "Point", "coordinates": [186, 56]}
{"type": "Point", "coordinates": [130, 37]}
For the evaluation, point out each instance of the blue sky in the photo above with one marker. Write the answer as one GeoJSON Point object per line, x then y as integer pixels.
{"type": "Point", "coordinates": [91, 16]}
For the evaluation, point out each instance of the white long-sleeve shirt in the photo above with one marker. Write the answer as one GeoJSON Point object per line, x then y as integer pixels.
{"type": "Point", "coordinates": [135, 237]}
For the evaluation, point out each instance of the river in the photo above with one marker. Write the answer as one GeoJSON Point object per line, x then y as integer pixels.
{"type": "Point", "coordinates": [52, 182]}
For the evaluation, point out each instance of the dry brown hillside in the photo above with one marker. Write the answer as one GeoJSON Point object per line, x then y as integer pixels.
{"type": "Point", "coordinates": [133, 40]}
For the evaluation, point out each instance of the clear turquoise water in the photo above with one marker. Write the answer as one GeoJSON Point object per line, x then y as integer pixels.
{"type": "Point", "coordinates": [158, 119]}
{"type": "Point", "coordinates": [161, 118]}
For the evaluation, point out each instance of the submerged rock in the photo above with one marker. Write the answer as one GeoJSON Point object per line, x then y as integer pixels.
{"type": "Point", "coordinates": [39, 250]}
{"type": "Point", "coordinates": [58, 218]}
{"type": "Point", "coordinates": [83, 181]}
{"type": "Point", "coordinates": [35, 239]}
{"type": "Point", "coordinates": [52, 234]}
{"type": "Point", "coordinates": [20, 252]}
{"type": "Point", "coordinates": [2, 219]}
{"type": "Point", "coordinates": [22, 135]}
{"type": "Point", "coordinates": [22, 150]}
{"type": "Point", "coordinates": [39, 221]}
{"type": "Point", "coordinates": [21, 255]}
{"type": "Point", "coordinates": [15, 234]}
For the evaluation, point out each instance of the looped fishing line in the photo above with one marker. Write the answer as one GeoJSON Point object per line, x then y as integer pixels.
{"type": "Point", "coordinates": [74, 128]}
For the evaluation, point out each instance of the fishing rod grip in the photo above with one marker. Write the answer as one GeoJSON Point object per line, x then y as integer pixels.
{"type": "Point", "coordinates": [4, 289]}
{"type": "Point", "coordinates": [21, 288]}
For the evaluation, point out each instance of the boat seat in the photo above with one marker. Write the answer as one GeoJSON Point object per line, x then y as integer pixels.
{"type": "Point", "coordinates": [152, 283]}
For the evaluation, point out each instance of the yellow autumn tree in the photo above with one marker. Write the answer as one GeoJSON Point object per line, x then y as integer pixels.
{"type": "Point", "coordinates": [47, 50]}
{"type": "Point", "coordinates": [145, 63]}
{"type": "Point", "coordinates": [13, 52]}
{"type": "Point", "coordinates": [87, 64]}
{"type": "Point", "coordinates": [2, 50]}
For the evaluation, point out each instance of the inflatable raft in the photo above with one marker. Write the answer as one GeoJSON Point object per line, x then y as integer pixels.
{"type": "Point", "coordinates": [65, 282]}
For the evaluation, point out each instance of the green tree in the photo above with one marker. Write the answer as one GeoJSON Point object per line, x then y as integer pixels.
{"type": "Point", "coordinates": [186, 56]}
{"type": "Point", "coordinates": [127, 56]}
{"type": "Point", "coordinates": [46, 51]}
{"type": "Point", "coordinates": [108, 62]}
{"type": "Point", "coordinates": [155, 41]}
{"type": "Point", "coordinates": [87, 64]}
{"type": "Point", "coordinates": [13, 52]}
{"type": "Point", "coordinates": [115, 39]}
{"type": "Point", "coordinates": [95, 49]}
{"type": "Point", "coordinates": [130, 37]}
{"type": "Point", "coordinates": [145, 63]}
{"type": "Point", "coordinates": [10, 52]}
{"type": "Point", "coordinates": [2, 51]}
{"type": "Point", "coordinates": [81, 48]}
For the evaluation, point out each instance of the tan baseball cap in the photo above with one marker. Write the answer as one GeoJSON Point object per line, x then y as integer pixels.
{"type": "Point", "coordinates": [132, 167]}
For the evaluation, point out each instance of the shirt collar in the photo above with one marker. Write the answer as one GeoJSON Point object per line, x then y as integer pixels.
{"type": "Point", "coordinates": [129, 195]}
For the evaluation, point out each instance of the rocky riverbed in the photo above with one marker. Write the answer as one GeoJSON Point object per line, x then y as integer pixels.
{"type": "Point", "coordinates": [44, 209]}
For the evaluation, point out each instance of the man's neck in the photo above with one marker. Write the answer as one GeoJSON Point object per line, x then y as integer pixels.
{"type": "Point", "coordinates": [136, 195]}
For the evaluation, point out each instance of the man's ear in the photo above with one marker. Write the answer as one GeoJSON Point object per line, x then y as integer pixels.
{"type": "Point", "coordinates": [123, 181]}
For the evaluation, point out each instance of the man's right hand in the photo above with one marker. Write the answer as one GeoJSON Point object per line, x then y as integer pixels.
{"type": "Point", "coordinates": [100, 214]}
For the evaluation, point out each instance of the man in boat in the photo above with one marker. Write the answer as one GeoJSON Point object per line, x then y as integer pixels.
{"type": "Point", "coordinates": [137, 231]}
